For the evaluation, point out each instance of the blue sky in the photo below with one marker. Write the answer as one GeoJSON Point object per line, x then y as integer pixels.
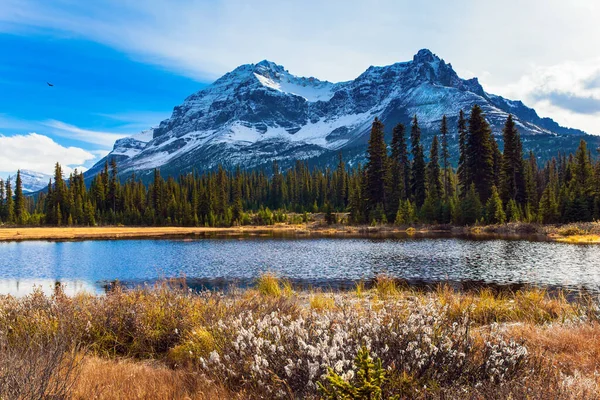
{"type": "Point", "coordinates": [99, 94]}
{"type": "Point", "coordinates": [119, 66]}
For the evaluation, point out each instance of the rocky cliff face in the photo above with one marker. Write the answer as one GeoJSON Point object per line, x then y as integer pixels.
{"type": "Point", "coordinates": [258, 113]}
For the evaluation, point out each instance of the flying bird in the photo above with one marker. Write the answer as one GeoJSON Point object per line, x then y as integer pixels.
{"type": "Point", "coordinates": [49, 84]}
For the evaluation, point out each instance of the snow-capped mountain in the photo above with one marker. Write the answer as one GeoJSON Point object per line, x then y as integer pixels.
{"type": "Point", "coordinates": [258, 113]}
{"type": "Point", "coordinates": [32, 181]}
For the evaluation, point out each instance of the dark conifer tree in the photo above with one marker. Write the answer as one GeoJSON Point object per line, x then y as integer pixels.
{"type": "Point", "coordinates": [480, 154]}
{"type": "Point", "coordinates": [341, 184]}
{"type": "Point", "coordinates": [376, 167]}
{"type": "Point", "coordinates": [113, 188]}
{"type": "Point", "coordinates": [462, 172]}
{"type": "Point", "coordinates": [9, 205]}
{"type": "Point", "coordinates": [470, 207]}
{"type": "Point", "coordinates": [531, 186]}
{"type": "Point", "coordinates": [446, 159]}
{"type": "Point", "coordinates": [20, 211]}
{"type": "Point", "coordinates": [494, 210]}
{"type": "Point", "coordinates": [399, 171]}
{"type": "Point", "coordinates": [434, 178]}
{"type": "Point", "coordinates": [512, 184]}
{"type": "Point", "coordinates": [417, 182]}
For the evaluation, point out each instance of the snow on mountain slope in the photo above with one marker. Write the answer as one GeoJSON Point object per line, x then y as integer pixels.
{"type": "Point", "coordinates": [260, 112]}
{"type": "Point", "coordinates": [31, 181]}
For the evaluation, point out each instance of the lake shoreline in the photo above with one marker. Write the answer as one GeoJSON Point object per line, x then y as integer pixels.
{"type": "Point", "coordinates": [588, 233]}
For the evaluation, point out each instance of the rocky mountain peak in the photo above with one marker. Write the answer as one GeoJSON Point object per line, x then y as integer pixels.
{"type": "Point", "coordinates": [258, 113]}
{"type": "Point", "coordinates": [425, 56]}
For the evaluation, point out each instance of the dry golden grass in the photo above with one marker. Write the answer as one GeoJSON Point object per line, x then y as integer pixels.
{"type": "Point", "coordinates": [269, 285]}
{"type": "Point", "coordinates": [102, 379]}
{"type": "Point", "coordinates": [148, 343]}
{"type": "Point", "coordinates": [571, 235]}
{"type": "Point", "coordinates": [321, 301]}
{"type": "Point", "coordinates": [568, 348]}
{"type": "Point", "coordinates": [113, 232]}
{"type": "Point", "coordinates": [386, 287]}
{"type": "Point", "coordinates": [579, 239]}
{"type": "Point", "coordinates": [528, 305]}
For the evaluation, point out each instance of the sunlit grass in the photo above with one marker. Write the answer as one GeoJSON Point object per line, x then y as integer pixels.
{"type": "Point", "coordinates": [320, 301]}
{"type": "Point", "coordinates": [386, 287]}
{"type": "Point", "coordinates": [269, 285]}
{"type": "Point", "coordinates": [162, 336]}
{"type": "Point", "coordinates": [528, 305]}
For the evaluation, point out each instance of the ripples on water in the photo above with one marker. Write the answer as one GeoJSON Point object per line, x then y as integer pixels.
{"type": "Point", "coordinates": [88, 265]}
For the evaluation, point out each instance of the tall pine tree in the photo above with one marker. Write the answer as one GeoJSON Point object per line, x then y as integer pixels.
{"type": "Point", "coordinates": [462, 171]}
{"type": "Point", "coordinates": [512, 176]}
{"type": "Point", "coordinates": [417, 178]}
{"type": "Point", "coordinates": [376, 168]}
{"type": "Point", "coordinates": [446, 159]}
{"type": "Point", "coordinates": [480, 154]}
{"type": "Point", "coordinates": [20, 211]}
{"type": "Point", "coordinates": [399, 171]}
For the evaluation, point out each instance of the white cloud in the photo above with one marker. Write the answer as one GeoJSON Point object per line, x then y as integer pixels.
{"type": "Point", "coordinates": [569, 92]}
{"type": "Point", "coordinates": [500, 42]}
{"type": "Point", "coordinates": [83, 135]}
{"type": "Point", "coordinates": [39, 153]}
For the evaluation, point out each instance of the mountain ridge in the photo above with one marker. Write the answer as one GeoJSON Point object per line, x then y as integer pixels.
{"type": "Point", "coordinates": [258, 113]}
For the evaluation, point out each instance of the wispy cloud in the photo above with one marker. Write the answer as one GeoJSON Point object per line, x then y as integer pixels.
{"type": "Point", "coordinates": [337, 39]}
{"type": "Point", "coordinates": [136, 121]}
{"type": "Point", "coordinates": [39, 153]}
{"type": "Point", "coordinates": [83, 135]}
{"type": "Point", "coordinates": [564, 91]}
{"type": "Point", "coordinates": [571, 102]}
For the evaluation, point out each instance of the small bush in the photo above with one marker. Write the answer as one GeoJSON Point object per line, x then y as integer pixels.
{"type": "Point", "coordinates": [366, 384]}
{"type": "Point", "coordinates": [320, 301]}
{"type": "Point", "coordinates": [268, 285]}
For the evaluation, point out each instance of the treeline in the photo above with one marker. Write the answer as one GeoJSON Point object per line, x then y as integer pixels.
{"type": "Point", "coordinates": [488, 186]}
{"type": "Point", "coordinates": [397, 185]}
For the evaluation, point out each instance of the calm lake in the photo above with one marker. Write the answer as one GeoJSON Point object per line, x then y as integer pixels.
{"type": "Point", "coordinates": [325, 262]}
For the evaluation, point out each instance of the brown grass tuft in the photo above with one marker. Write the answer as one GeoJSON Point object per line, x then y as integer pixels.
{"type": "Point", "coordinates": [125, 379]}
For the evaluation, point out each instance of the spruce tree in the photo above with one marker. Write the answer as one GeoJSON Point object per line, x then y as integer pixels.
{"type": "Point", "coordinates": [9, 203]}
{"type": "Point", "coordinates": [581, 186]}
{"type": "Point", "coordinates": [513, 213]}
{"type": "Point", "coordinates": [512, 186]}
{"type": "Point", "coordinates": [113, 187]}
{"type": "Point", "coordinates": [462, 171]}
{"type": "Point", "coordinates": [446, 159]}
{"type": "Point", "coordinates": [376, 168]}
{"type": "Point", "coordinates": [341, 187]}
{"type": "Point", "coordinates": [480, 154]}
{"type": "Point", "coordinates": [470, 207]}
{"type": "Point", "coordinates": [531, 186]}
{"type": "Point", "coordinates": [417, 182]}
{"type": "Point", "coordinates": [406, 214]}
{"type": "Point", "coordinates": [434, 178]}
{"type": "Point", "coordinates": [494, 211]}
{"type": "Point", "coordinates": [20, 211]}
{"type": "Point", "coordinates": [399, 171]}
{"type": "Point", "coordinates": [548, 207]}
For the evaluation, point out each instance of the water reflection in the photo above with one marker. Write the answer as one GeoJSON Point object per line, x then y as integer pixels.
{"type": "Point", "coordinates": [21, 287]}
{"type": "Point", "coordinates": [89, 265]}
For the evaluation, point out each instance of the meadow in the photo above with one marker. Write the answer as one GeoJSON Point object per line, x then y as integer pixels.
{"type": "Point", "coordinates": [378, 341]}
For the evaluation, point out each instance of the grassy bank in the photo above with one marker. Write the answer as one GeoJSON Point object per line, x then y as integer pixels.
{"type": "Point", "coordinates": [274, 342]}
{"type": "Point", "coordinates": [586, 233]}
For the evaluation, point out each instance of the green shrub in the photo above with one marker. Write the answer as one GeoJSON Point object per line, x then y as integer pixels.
{"type": "Point", "coordinates": [370, 377]}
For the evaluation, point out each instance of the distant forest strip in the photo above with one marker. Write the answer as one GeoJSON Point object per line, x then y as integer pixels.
{"type": "Point", "coordinates": [396, 185]}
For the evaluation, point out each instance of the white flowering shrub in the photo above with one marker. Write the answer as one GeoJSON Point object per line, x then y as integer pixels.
{"type": "Point", "coordinates": [279, 354]}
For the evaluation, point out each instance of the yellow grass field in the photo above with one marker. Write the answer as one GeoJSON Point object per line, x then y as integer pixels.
{"type": "Point", "coordinates": [113, 232]}
{"type": "Point", "coordinates": [316, 229]}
